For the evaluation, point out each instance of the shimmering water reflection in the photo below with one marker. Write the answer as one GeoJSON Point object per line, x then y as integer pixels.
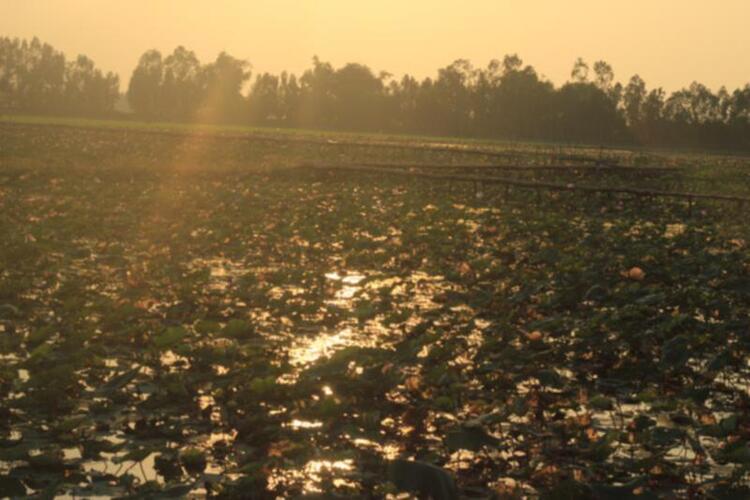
{"type": "Point", "coordinates": [354, 291]}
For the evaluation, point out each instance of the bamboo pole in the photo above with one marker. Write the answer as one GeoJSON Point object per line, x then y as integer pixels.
{"type": "Point", "coordinates": [509, 182]}
{"type": "Point", "coordinates": [529, 168]}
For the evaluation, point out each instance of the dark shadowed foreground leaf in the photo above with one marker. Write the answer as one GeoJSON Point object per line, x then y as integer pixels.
{"type": "Point", "coordinates": [569, 490]}
{"type": "Point", "coordinates": [675, 352]}
{"type": "Point", "coordinates": [177, 491]}
{"type": "Point", "coordinates": [469, 438]}
{"type": "Point", "coordinates": [11, 487]}
{"type": "Point", "coordinates": [237, 328]}
{"type": "Point", "coordinates": [170, 337]}
{"type": "Point", "coordinates": [119, 381]}
{"type": "Point", "coordinates": [422, 478]}
{"type": "Point", "coordinates": [8, 311]}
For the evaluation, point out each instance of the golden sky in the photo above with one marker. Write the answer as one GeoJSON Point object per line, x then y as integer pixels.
{"type": "Point", "coordinates": [669, 43]}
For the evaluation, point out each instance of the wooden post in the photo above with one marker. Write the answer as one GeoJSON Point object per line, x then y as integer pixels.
{"type": "Point", "coordinates": [690, 206]}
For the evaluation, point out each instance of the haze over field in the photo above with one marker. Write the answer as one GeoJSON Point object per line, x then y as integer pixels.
{"type": "Point", "coordinates": [670, 43]}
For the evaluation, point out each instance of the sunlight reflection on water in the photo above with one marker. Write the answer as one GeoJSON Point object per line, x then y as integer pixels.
{"type": "Point", "coordinates": [222, 272]}
{"type": "Point", "coordinates": [325, 345]}
{"type": "Point", "coordinates": [350, 285]}
{"type": "Point", "coordinates": [415, 293]}
{"type": "Point", "coordinates": [298, 424]}
{"type": "Point", "coordinates": [312, 474]}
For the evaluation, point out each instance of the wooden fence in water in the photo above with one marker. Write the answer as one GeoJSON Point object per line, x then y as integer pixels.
{"type": "Point", "coordinates": [554, 168]}
{"type": "Point", "coordinates": [478, 181]}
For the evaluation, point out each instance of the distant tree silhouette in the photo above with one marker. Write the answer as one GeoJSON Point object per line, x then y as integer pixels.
{"type": "Point", "coordinates": [36, 78]}
{"type": "Point", "coordinates": [359, 98]}
{"type": "Point", "coordinates": [87, 90]}
{"type": "Point", "coordinates": [605, 76]}
{"type": "Point", "coordinates": [524, 106]}
{"type": "Point", "coordinates": [181, 93]}
{"type": "Point", "coordinates": [220, 85]}
{"type": "Point", "coordinates": [265, 106]}
{"type": "Point", "coordinates": [505, 99]}
{"type": "Point", "coordinates": [588, 113]}
{"type": "Point", "coordinates": [145, 88]}
{"type": "Point", "coordinates": [179, 88]}
{"type": "Point", "coordinates": [580, 73]}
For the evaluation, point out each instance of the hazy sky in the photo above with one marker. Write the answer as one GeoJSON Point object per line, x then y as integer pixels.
{"type": "Point", "coordinates": [668, 42]}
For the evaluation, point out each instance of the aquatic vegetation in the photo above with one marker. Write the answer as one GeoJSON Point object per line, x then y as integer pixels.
{"type": "Point", "coordinates": [169, 331]}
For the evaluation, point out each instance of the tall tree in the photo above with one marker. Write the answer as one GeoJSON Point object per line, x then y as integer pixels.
{"type": "Point", "coordinates": [605, 75]}
{"type": "Point", "coordinates": [358, 97]}
{"type": "Point", "coordinates": [633, 98]}
{"type": "Point", "coordinates": [145, 87]}
{"type": "Point", "coordinates": [265, 100]}
{"type": "Point", "coordinates": [87, 90]}
{"type": "Point", "coordinates": [221, 87]}
{"type": "Point", "coordinates": [580, 71]}
{"type": "Point", "coordinates": [182, 88]}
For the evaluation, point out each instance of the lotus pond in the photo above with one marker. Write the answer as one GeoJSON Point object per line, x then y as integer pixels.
{"type": "Point", "coordinates": [181, 320]}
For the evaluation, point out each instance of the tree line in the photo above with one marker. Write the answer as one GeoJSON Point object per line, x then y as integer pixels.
{"type": "Point", "coordinates": [506, 99]}
{"type": "Point", "coordinates": [36, 78]}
